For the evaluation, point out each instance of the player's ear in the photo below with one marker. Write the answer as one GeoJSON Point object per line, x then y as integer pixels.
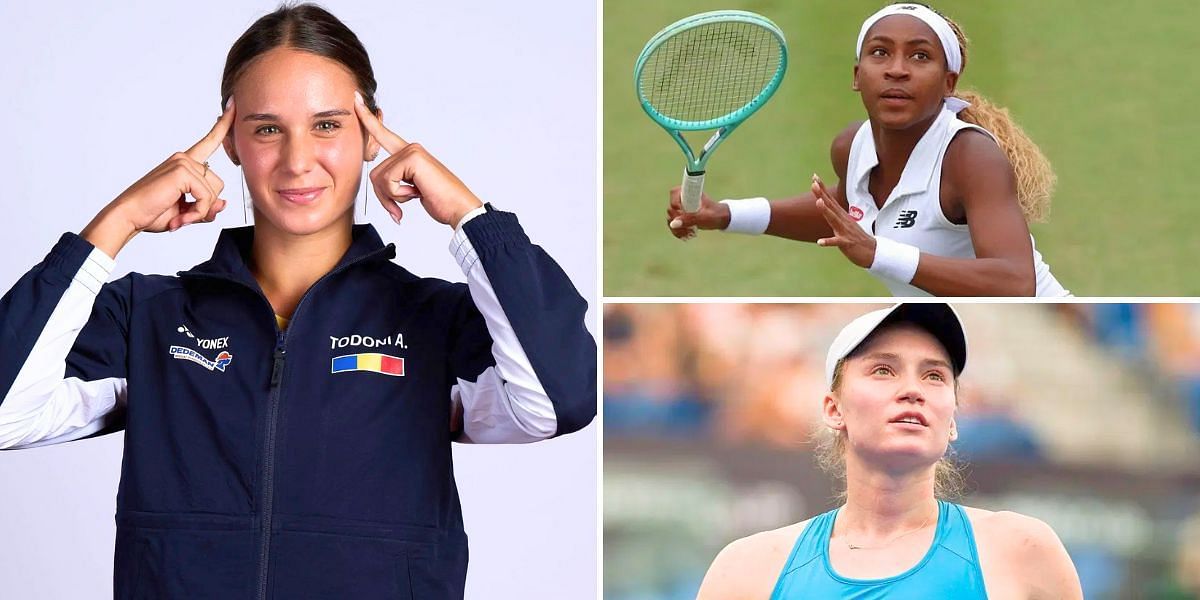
{"type": "Point", "coordinates": [371, 146]}
{"type": "Point", "coordinates": [951, 83]}
{"type": "Point", "coordinates": [854, 83]}
{"type": "Point", "coordinates": [831, 413]}
{"type": "Point", "coordinates": [230, 151]}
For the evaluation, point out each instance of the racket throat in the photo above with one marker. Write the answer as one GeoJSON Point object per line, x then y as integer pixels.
{"type": "Point", "coordinates": [712, 141]}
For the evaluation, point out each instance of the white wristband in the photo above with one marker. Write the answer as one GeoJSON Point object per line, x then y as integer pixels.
{"type": "Point", "coordinates": [750, 216]}
{"type": "Point", "coordinates": [895, 260]}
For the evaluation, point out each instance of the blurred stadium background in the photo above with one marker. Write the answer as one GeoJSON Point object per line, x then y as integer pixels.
{"type": "Point", "coordinates": [1102, 87]}
{"type": "Point", "coordinates": [1084, 415]}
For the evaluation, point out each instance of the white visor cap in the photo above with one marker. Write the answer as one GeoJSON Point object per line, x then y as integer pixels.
{"type": "Point", "coordinates": [938, 319]}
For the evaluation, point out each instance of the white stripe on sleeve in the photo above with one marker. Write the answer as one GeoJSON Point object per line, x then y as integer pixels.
{"type": "Point", "coordinates": [43, 406]}
{"type": "Point", "coordinates": [507, 403]}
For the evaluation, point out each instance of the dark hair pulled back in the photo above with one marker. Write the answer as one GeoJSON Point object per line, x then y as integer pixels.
{"type": "Point", "coordinates": [308, 28]}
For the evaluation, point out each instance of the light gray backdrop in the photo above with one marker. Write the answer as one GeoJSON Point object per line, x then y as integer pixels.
{"type": "Point", "coordinates": [94, 96]}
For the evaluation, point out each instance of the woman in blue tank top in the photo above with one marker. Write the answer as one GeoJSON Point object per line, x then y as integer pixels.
{"type": "Point", "coordinates": [893, 382]}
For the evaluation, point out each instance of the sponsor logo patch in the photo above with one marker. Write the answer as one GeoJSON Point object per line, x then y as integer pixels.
{"type": "Point", "coordinates": [856, 213]}
{"type": "Point", "coordinates": [223, 359]}
{"type": "Point", "coordinates": [185, 353]}
{"type": "Point", "coordinates": [213, 344]}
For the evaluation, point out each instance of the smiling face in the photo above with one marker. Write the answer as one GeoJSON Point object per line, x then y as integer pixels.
{"type": "Point", "coordinates": [298, 140]}
{"type": "Point", "coordinates": [895, 399]}
{"type": "Point", "coordinates": [902, 73]}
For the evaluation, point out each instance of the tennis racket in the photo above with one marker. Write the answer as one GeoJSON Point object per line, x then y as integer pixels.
{"type": "Point", "coordinates": [709, 71]}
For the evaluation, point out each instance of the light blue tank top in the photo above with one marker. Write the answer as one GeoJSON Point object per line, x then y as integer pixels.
{"type": "Point", "coordinates": [950, 569]}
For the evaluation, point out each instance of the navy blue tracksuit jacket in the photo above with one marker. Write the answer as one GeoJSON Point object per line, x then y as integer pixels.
{"type": "Point", "coordinates": [309, 463]}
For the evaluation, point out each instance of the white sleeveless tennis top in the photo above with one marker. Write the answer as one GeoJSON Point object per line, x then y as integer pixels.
{"type": "Point", "coordinates": [912, 214]}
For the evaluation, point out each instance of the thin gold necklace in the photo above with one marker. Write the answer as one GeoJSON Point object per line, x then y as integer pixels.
{"type": "Point", "coordinates": [891, 541]}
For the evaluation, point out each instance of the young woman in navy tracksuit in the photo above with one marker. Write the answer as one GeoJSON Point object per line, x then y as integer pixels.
{"type": "Point", "coordinates": [288, 405]}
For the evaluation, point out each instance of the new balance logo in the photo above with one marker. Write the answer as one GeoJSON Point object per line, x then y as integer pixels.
{"type": "Point", "coordinates": [907, 219]}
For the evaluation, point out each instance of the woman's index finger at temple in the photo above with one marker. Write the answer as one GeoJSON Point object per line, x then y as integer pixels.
{"type": "Point", "coordinates": [386, 138]}
{"type": "Point", "coordinates": [201, 150]}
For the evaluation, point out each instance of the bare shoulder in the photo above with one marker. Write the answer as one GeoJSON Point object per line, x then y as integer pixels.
{"type": "Point", "coordinates": [1023, 550]}
{"type": "Point", "coordinates": [748, 567]}
{"type": "Point", "coordinates": [839, 151]}
{"type": "Point", "coordinates": [971, 151]}
{"type": "Point", "coordinates": [1010, 527]}
{"type": "Point", "coordinates": [976, 176]}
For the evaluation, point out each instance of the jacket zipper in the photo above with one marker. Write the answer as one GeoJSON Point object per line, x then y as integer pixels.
{"type": "Point", "coordinates": [269, 463]}
{"type": "Point", "coordinates": [276, 395]}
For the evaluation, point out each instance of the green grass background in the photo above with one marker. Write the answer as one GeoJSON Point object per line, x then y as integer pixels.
{"type": "Point", "coordinates": [1107, 89]}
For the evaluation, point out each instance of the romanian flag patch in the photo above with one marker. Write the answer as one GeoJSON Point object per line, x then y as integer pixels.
{"type": "Point", "coordinates": [370, 361]}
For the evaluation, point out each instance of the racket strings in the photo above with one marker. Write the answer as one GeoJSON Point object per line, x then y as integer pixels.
{"type": "Point", "coordinates": [710, 71]}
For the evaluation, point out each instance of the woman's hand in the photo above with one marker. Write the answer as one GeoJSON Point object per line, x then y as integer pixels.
{"type": "Point", "coordinates": [158, 201]}
{"type": "Point", "coordinates": [856, 244]}
{"type": "Point", "coordinates": [412, 172]}
{"type": "Point", "coordinates": [683, 225]}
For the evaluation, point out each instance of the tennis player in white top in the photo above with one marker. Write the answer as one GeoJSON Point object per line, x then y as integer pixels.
{"type": "Point", "coordinates": [936, 189]}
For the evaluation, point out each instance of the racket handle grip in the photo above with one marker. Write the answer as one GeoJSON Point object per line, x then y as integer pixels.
{"type": "Point", "coordinates": [693, 185]}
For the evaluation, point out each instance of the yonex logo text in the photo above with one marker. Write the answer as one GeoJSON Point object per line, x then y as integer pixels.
{"type": "Point", "coordinates": [210, 344]}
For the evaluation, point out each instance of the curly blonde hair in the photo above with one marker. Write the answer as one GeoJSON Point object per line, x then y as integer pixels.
{"type": "Point", "coordinates": [1035, 175]}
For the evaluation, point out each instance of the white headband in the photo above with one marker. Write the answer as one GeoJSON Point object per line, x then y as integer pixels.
{"type": "Point", "coordinates": [940, 28]}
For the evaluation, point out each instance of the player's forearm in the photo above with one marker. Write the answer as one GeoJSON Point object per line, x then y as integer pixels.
{"type": "Point", "coordinates": [798, 219]}
{"type": "Point", "coordinates": [110, 231]}
{"type": "Point", "coordinates": [942, 276]}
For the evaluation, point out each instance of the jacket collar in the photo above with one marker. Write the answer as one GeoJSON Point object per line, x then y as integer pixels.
{"type": "Point", "coordinates": [231, 257]}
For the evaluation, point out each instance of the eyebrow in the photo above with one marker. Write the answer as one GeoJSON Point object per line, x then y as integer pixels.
{"type": "Point", "coordinates": [338, 112]}
{"type": "Point", "coordinates": [883, 356]}
{"type": "Point", "coordinates": [928, 362]}
{"type": "Point", "coordinates": [932, 362]}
